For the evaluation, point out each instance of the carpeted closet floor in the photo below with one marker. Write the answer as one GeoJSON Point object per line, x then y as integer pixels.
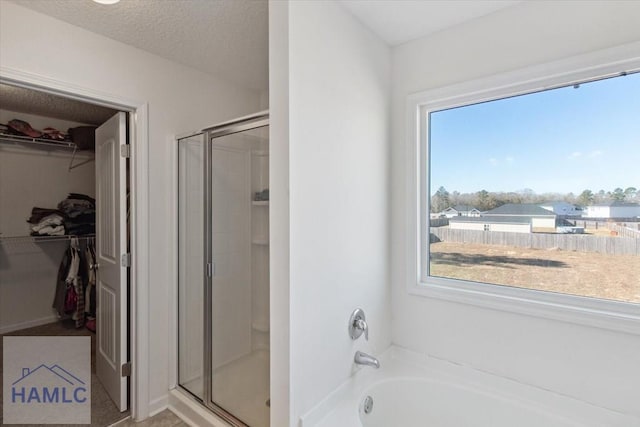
{"type": "Point", "coordinates": [103, 410]}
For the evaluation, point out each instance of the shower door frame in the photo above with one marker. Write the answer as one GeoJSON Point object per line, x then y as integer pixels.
{"type": "Point", "coordinates": [253, 121]}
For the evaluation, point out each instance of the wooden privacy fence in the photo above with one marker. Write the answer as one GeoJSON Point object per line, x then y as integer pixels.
{"type": "Point", "coordinates": [566, 242]}
{"type": "Point", "coordinates": [625, 231]}
{"type": "Point", "coordinates": [439, 222]}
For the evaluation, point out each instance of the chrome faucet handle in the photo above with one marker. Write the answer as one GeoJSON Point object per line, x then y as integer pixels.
{"type": "Point", "coordinates": [361, 325]}
{"type": "Point", "coordinates": [358, 325]}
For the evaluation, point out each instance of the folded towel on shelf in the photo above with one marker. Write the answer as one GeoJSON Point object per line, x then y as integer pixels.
{"type": "Point", "coordinates": [52, 220]}
{"type": "Point", "coordinates": [81, 229]}
{"type": "Point", "coordinates": [77, 203]}
{"type": "Point", "coordinates": [46, 222]}
{"type": "Point", "coordinates": [50, 231]}
{"type": "Point", "coordinates": [76, 215]}
{"type": "Point", "coordinates": [80, 213]}
{"type": "Point", "coordinates": [37, 214]}
{"type": "Point", "coordinates": [80, 196]}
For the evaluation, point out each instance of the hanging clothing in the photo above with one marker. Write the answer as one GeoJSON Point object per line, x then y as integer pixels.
{"type": "Point", "coordinates": [90, 290]}
{"type": "Point", "coordinates": [69, 297]}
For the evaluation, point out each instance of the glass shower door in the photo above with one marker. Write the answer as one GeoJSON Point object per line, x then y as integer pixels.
{"type": "Point", "coordinates": [191, 261]}
{"type": "Point", "coordinates": [239, 283]}
{"type": "Point", "coordinates": [223, 269]}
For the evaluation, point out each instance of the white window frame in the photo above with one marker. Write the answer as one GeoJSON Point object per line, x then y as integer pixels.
{"type": "Point", "coordinates": [608, 314]}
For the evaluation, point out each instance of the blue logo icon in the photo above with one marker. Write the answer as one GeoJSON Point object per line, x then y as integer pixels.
{"type": "Point", "coordinates": [48, 384]}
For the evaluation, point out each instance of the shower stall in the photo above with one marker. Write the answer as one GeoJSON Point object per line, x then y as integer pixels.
{"type": "Point", "coordinates": [223, 269]}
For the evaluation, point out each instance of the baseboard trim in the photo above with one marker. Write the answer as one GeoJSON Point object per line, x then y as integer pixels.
{"type": "Point", "coordinates": [158, 405]}
{"type": "Point", "coordinates": [28, 324]}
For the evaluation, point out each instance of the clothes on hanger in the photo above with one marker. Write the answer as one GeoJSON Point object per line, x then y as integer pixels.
{"type": "Point", "coordinates": [69, 299]}
{"type": "Point", "coordinates": [90, 289]}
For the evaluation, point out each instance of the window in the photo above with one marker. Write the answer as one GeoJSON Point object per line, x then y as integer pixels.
{"type": "Point", "coordinates": [549, 168]}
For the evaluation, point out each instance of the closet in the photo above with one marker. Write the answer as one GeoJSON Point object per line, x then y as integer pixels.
{"type": "Point", "coordinates": [48, 187]}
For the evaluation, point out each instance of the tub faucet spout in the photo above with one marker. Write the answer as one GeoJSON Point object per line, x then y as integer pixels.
{"type": "Point", "coordinates": [366, 359]}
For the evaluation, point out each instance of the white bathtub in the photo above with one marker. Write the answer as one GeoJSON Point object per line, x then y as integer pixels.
{"type": "Point", "coordinates": [412, 390]}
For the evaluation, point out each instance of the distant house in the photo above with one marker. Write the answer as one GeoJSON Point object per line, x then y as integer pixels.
{"type": "Point", "coordinates": [540, 218]}
{"type": "Point", "coordinates": [562, 208]}
{"type": "Point", "coordinates": [613, 210]}
{"type": "Point", "coordinates": [512, 217]}
{"type": "Point", "coordinates": [460, 210]}
{"type": "Point", "coordinates": [511, 224]}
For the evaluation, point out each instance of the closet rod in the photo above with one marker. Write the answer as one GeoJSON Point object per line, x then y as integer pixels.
{"type": "Point", "coordinates": [38, 239]}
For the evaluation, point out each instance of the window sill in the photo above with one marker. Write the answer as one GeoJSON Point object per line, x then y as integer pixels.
{"type": "Point", "coordinates": [605, 314]}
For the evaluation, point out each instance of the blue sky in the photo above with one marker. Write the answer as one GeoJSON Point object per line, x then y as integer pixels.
{"type": "Point", "coordinates": [562, 140]}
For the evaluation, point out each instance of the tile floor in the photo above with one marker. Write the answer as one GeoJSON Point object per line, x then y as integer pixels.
{"type": "Point", "coordinates": [165, 418]}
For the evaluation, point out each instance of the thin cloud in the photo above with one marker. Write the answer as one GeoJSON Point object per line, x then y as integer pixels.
{"type": "Point", "coordinates": [493, 161]}
{"type": "Point", "coordinates": [595, 153]}
{"type": "Point", "coordinates": [574, 155]}
{"type": "Point", "coordinates": [510, 160]}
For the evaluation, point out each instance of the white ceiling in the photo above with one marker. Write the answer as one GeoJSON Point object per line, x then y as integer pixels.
{"type": "Point", "coordinates": [229, 38]}
{"type": "Point", "coordinates": [399, 21]}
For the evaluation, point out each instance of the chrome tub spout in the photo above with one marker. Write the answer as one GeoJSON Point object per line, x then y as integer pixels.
{"type": "Point", "coordinates": [366, 359]}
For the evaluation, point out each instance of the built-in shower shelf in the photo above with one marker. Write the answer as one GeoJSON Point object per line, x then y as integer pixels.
{"type": "Point", "coordinates": [260, 153]}
{"type": "Point", "coordinates": [260, 203]}
{"type": "Point", "coordinates": [261, 242]}
{"type": "Point", "coordinates": [260, 326]}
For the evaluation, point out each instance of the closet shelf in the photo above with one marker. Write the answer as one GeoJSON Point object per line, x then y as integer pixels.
{"type": "Point", "coordinates": [44, 144]}
{"type": "Point", "coordinates": [260, 203]}
{"type": "Point", "coordinates": [39, 239]}
{"type": "Point", "coordinates": [17, 139]}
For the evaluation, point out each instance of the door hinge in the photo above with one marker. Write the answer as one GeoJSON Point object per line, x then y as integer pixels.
{"type": "Point", "coordinates": [125, 260]}
{"type": "Point", "coordinates": [125, 151]}
{"type": "Point", "coordinates": [126, 369]}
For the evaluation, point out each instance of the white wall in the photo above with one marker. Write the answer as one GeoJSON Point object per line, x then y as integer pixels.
{"type": "Point", "coordinates": [595, 365]}
{"type": "Point", "coordinates": [542, 222]}
{"type": "Point", "coordinates": [338, 125]}
{"type": "Point", "coordinates": [612, 211]}
{"type": "Point", "coordinates": [180, 99]}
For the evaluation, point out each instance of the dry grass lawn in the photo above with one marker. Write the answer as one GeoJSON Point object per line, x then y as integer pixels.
{"type": "Point", "coordinates": [614, 277]}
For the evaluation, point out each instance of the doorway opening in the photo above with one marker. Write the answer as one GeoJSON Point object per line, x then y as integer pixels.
{"type": "Point", "coordinates": [65, 169]}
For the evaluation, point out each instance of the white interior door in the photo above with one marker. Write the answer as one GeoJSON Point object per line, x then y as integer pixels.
{"type": "Point", "coordinates": [112, 328]}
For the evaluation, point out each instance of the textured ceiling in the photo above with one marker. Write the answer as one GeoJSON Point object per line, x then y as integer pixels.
{"type": "Point", "coordinates": [399, 21]}
{"type": "Point", "coordinates": [43, 104]}
{"type": "Point", "coordinates": [227, 38]}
